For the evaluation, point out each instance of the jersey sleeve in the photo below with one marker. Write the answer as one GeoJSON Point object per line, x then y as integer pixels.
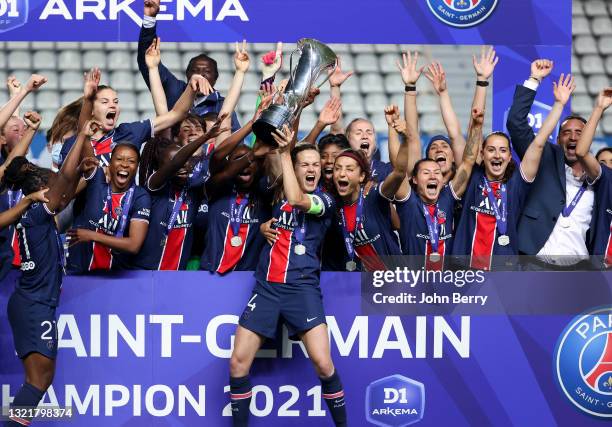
{"type": "Point", "coordinates": [327, 203]}
{"type": "Point", "coordinates": [66, 149]}
{"type": "Point", "coordinates": [605, 177]}
{"type": "Point", "coordinates": [38, 213]}
{"type": "Point", "coordinates": [138, 132]}
{"type": "Point", "coordinates": [141, 208]}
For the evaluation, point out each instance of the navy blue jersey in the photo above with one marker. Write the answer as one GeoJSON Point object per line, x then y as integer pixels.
{"type": "Point", "coordinates": [9, 242]}
{"type": "Point", "coordinates": [414, 232]}
{"type": "Point", "coordinates": [104, 217]}
{"type": "Point", "coordinates": [136, 133]}
{"type": "Point", "coordinates": [334, 255]}
{"type": "Point", "coordinates": [602, 241]}
{"type": "Point", "coordinates": [41, 256]}
{"type": "Point", "coordinates": [282, 262]}
{"type": "Point", "coordinates": [380, 170]}
{"type": "Point", "coordinates": [220, 255]}
{"type": "Point", "coordinates": [200, 172]}
{"type": "Point", "coordinates": [163, 250]}
{"type": "Point", "coordinates": [375, 237]}
{"type": "Point", "coordinates": [477, 233]}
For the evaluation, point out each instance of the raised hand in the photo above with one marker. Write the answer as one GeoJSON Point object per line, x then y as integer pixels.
{"type": "Point", "coordinates": [241, 58]}
{"type": "Point", "coordinates": [310, 97]}
{"type": "Point", "coordinates": [604, 100]}
{"type": "Point", "coordinates": [563, 89]}
{"type": "Point", "coordinates": [485, 65]}
{"type": "Point", "coordinates": [153, 54]}
{"type": "Point", "coordinates": [400, 126]}
{"type": "Point", "coordinates": [408, 68]}
{"type": "Point", "coordinates": [200, 85]}
{"type": "Point", "coordinates": [337, 77]}
{"type": "Point", "coordinates": [87, 165]}
{"type": "Point", "coordinates": [283, 139]}
{"type": "Point", "coordinates": [216, 129]}
{"type": "Point", "coordinates": [38, 196]}
{"type": "Point", "coordinates": [541, 68]}
{"type": "Point", "coordinates": [391, 114]}
{"type": "Point", "coordinates": [436, 75]}
{"type": "Point", "coordinates": [13, 85]}
{"type": "Point", "coordinates": [32, 119]}
{"type": "Point", "coordinates": [477, 117]}
{"type": "Point", "coordinates": [151, 8]}
{"type": "Point", "coordinates": [91, 81]}
{"type": "Point", "coordinates": [272, 62]}
{"type": "Point", "coordinates": [35, 82]}
{"type": "Point", "coordinates": [331, 111]}
{"type": "Point", "coordinates": [91, 127]}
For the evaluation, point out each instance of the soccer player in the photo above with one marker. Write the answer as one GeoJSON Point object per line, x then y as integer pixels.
{"type": "Point", "coordinates": [364, 210]}
{"type": "Point", "coordinates": [599, 174]}
{"type": "Point", "coordinates": [65, 125]}
{"type": "Point", "coordinates": [206, 102]}
{"type": "Point", "coordinates": [115, 219]}
{"type": "Point", "coordinates": [174, 201]}
{"type": "Point", "coordinates": [604, 156]}
{"type": "Point", "coordinates": [497, 190]}
{"type": "Point", "coordinates": [101, 104]}
{"type": "Point", "coordinates": [17, 135]}
{"type": "Point", "coordinates": [31, 307]}
{"type": "Point", "coordinates": [288, 282]}
{"type": "Point", "coordinates": [426, 213]}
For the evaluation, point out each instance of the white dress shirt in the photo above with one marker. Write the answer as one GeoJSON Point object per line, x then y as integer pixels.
{"type": "Point", "coordinates": [567, 246]}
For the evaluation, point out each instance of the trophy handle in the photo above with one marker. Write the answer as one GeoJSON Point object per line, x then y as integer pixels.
{"type": "Point", "coordinates": [291, 69]}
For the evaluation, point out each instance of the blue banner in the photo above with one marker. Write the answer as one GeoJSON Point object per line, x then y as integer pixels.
{"type": "Point", "coordinates": [148, 348]}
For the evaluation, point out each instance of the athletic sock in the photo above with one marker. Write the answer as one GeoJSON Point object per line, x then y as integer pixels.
{"type": "Point", "coordinates": [333, 393]}
{"type": "Point", "coordinates": [27, 396]}
{"type": "Point", "coordinates": [240, 394]}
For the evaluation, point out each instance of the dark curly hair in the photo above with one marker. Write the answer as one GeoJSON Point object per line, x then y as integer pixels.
{"type": "Point", "coordinates": [22, 175]}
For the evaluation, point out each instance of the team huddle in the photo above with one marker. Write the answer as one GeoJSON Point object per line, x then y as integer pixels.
{"type": "Point", "coordinates": [193, 189]}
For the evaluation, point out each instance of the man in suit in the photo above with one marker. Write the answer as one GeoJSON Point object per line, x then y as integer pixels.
{"type": "Point", "coordinates": [174, 87]}
{"type": "Point", "coordinates": [558, 210]}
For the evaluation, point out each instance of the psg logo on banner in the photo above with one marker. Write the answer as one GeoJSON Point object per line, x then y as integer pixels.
{"type": "Point", "coordinates": [583, 362]}
{"type": "Point", "coordinates": [462, 13]}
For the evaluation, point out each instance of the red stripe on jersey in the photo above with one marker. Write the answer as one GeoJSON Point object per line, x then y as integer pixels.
{"type": "Point", "coordinates": [232, 254]}
{"type": "Point", "coordinates": [366, 253]}
{"type": "Point", "coordinates": [102, 258]}
{"type": "Point", "coordinates": [608, 258]}
{"type": "Point", "coordinates": [173, 249]}
{"type": "Point", "coordinates": [104, 146]}
{"type": "Point", "coordinates": [483, 241]}
{"type": "Point", "coordinates": [15, 245]}
{"type": "Point", "coordinates": [279, 257]}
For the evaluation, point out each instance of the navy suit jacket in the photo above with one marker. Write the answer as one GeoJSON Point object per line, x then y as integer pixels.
{"type": "Point", "coordinates": [173, 87]}
{"type": "Point", "coordinates": [547, 196]}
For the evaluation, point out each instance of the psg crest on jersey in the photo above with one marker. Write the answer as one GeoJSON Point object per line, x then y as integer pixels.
{"type": "Point", "coordinates": [462, 13]}
{"type": "Point", "coordinates": [583, 362]}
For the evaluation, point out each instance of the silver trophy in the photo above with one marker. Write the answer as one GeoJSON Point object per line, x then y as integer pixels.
{"type": "Point", "coordinates": [315, 60]}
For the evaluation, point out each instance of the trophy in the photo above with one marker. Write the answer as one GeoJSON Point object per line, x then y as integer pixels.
{"type": "Point", "coordinates": [315, 60]}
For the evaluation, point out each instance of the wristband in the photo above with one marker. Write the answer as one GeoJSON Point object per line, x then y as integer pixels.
{"type": "Point", "coordinates": [269, 80]}
{"type": "Point", "coordinates": [410, 88]}
{"type": "Point", "coordinates": [535, 78]}
{"type": "Point", "coordinates": [483, 83]}
{"type": "Point", "coordinates": [148, 21]}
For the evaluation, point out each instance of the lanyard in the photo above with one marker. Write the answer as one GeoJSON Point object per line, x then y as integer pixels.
{"type": "Point", "coordinates": [501, 214]}
{"type": "Point", "coordinates": [567, 211]}
{"type": "Point", "coordinates": [175, 210]}
{"type": "Point", "coordinates": [348, 240]}
{"type": "Point", "coordinates": [299, 224]}
{"type": "Point", "coordinates": [432, 226]}
{"type": "Point", "coordinates": [14, 196]}
{"type": "Point", "coordinates": [236, 211]}
{"type": "Point", "coordinates": [126, 204]}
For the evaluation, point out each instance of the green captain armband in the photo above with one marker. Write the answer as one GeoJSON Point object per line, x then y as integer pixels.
{"type": "Point", "coordinates": [316, 205]}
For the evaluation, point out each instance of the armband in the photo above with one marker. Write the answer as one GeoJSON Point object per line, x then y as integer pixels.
{"type": "Point", "coordinates": [316, 205]}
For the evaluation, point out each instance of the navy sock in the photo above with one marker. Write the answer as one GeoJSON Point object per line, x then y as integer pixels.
{"type": "Point", "coordinates": [333, 393]}
{"type": "Point", "coordinates": [240, 394]}
{"type": "Point", "coordinates": [27, 396]}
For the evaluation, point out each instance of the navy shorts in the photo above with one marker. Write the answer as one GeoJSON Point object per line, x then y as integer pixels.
{"type": "Point", "coordinates": [299, 307]}
{"type": "Point", "coordinates": [34, 327]}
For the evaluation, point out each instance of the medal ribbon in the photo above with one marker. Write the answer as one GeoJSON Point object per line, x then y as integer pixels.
{"type": "Point", "coordinates": [299, 224]}
{"type": "Point", "coordinates": [237, 205]}
{"type": "Point", "coordinates": [567, 211]}
{"type": "Point", "coordinates": [432, 226]}
{"type": "Point", "coordinates": [126, 204]}
{"type": "Point", "coordinates": [14, 196]}
{"type": "Point", "coordinates": [501, 214]}
{"type": "Point", "coordinates": [175, 210]}
{"type": "Point", "coordinates": [348, 240]}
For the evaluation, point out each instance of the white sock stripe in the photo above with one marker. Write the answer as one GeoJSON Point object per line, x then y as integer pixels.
{"type": "Point", "coordinates": [20, 421]}
{"type": "Point", "coordinates": [241, 395]}
{"type": "Point", "coordinates": [333, 395]}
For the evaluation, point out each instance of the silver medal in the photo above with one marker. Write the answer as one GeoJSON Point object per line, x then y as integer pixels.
{"type": "Point", "coordinates": [236, 241]}
{"type": "Point", "coordinates": [434, 257]}
{"type": "Point", "coordinates": [503, 240]}
{"type": "Point", "coordinates": [565, 221]}
{"type": "Point", "coordinates": [299, 249]}
{"type": "Point", "coordinates": [351, 266]}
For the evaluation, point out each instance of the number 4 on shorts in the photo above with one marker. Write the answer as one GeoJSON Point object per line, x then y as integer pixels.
{"type": "Point", "coordinates": [251, 304]}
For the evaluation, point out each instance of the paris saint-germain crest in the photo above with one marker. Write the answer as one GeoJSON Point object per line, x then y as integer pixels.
{"type": "Point", "coordinates": [462, 13]}
{"type": "Point", "coordinates": [583, 362]}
